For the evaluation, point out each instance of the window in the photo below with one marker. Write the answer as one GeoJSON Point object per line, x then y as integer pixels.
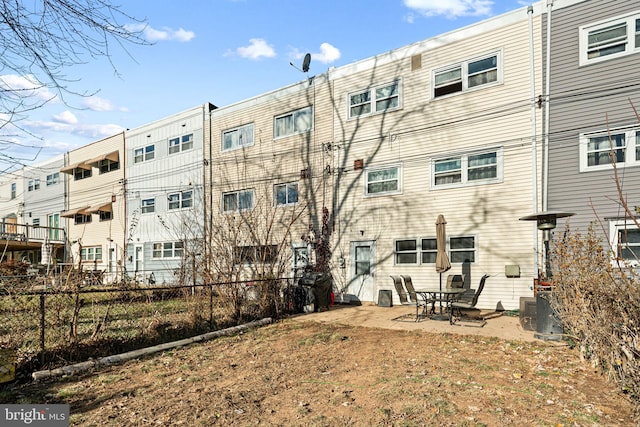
{"type": "Point", "coordinates": [429, 251]}
{"type": "Point", "coordinates": [168, 250]}
{"type": "Point", "coordinates": [237, 201]}
{"type": "Point", "coordinates": [406, 252]}
{"type": "Point", "coordinates": [375, 100]}
{"type": "Point", "coordinates": [295, 122]}
{"type": "Point", "coordinates": [107, 165]}
{"type": "Point", "coordinates": [33, 185]}
{"type": "Point", "coordinates": [300, 257]}
{"type": "Point", "coordinates": [13, 190]}
{"type": "Point", "coordinates": [382, 181]}
{"type": "Point", "coordinates": [36, 222]}
{"type": "Point", "coordinates": [81, 173]}
{"type": "Point", "coordinates": [467, 169]}
{"type": "Point", "coordinates": [238, 137]}
{"type": "Point", "coordinates": [462, 249]}
{"type": "Point", "coordinates": [183, 199]}
{"type": "Point", "coordinates": [625, 242]}
{"type": "Point", "coordinates": [144, 154]}
{"type": "Point", "coordinates": [599, 150]}
{"type": "Point", "coordinates": [185, 142]}
{"type": "Point", "coordinates": [81, 219]}
{"type": "Point", "coordinates": [53, 179]}
{"type": "Point", "coordinates": [148, 205]}
{"type": "Point", "coordinates": [260, 254]}
{"type": "Point", "coordinates": [286, 194]}
{"type": "Point", "coordinates": [610, 39]}
{"type": "Point", "coordinates": [91, 253]}
{"type": "Point", "coordinates": [467, 75]}
{"type": "Point", "coordinates": [105, 215]}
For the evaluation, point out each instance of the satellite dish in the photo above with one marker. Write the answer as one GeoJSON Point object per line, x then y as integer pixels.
{"type": "Point", "coordinates": [306, 62]}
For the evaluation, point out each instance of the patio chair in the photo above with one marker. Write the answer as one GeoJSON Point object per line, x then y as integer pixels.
{"type": "Point", "coordinates": [463, 304]}
{"type": "Point", "coordinates": [455, 281]}
{"type": "Point", "coordinates": [397, 282]}
{"type": "Point", "coordinates": [416, 298]}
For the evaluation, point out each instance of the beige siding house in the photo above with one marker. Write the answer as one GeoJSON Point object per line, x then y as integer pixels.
{"type": "Point", "coordinates": [95, 205]}
{"type": "Point", "coordinates": [268, 161]}
{"type": "Point", "coordinates": [443, 126]}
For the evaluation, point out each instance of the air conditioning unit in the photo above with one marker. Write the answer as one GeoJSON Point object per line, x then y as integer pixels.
{"type": "Point", "coordinates": [528, 313]}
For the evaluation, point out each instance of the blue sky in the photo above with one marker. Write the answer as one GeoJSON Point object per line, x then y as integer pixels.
{"type": "Point", "coordinates": [225, 51]}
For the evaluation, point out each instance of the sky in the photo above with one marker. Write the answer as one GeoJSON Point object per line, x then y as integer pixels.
{"type": "Point", "coordinates": [223, 52]}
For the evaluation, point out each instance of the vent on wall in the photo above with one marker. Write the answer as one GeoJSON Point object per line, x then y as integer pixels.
{"type": "Point", "coordinates": [304, 173]}
{"type": "Point", "coordinates": [358, 164]}
{"type": "Point", "coordinates": [416, 62]}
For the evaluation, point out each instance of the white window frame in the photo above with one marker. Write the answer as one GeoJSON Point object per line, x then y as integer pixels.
{"type": "Point", "coordinates": [465, 168]}
{"type": "Point", "coordinates": [614, 228]}
{"type": "Point", "coordinates": [34, 184]}
{"type": "Point", "coordinates": [465, 76]}
{"type": "Point", "coordinates": [631, 40]}
{"type": "Point", "coordinates": [292, 115]}
{"type": "Point", "coordinates": [180, 143]}
{"type": "Point", "coordinates": [453, 251]}
{"type": "Point", "coordinates": [91, 253]}
{"type": "Point", "coordinates": [236, 195]}
{"type": "Point", "coordinates": [286, 186]}
{"type": "Point", "coordinates": [13, 190]}
{"type": "Point", "coordinates": [53, 178]}
{"type": "Point", "coordinates": [241, 136]}
{"type": "Point", "coordinates": [148, 206]}
{"type": "Point", "coordinates": [144, 154]}
{"type": "Point", "coordinates": [373, 170]}
{"type": "Point", "coordinates": [183, 199]}
{"type": "Point", "coordinates": [164, 250]}
{"type": "Point", "coordinates": [631, 148]}
{"type": "Point", "coordinates": [411, 251]}
{"type": "Point", "coordinates": [371, 99]}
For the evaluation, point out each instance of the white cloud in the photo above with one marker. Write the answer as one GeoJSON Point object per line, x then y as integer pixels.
{"type": "Point", "coordinates": [66, 117]}
{"type": "Point", "coordinates": [450, 8]}
{"type": "Point", "coordinates": [94, 131]}
{"type": "Point", "coordinates": [95, 103]}
{"type": "Point", "coordinates": [327, 55]}
{"type": "Point", "coordinates": [164, 34]}
{"type": "Point", "coordinates": [257, 49]}
{"type": "Point", "coordinates": [28, 86]}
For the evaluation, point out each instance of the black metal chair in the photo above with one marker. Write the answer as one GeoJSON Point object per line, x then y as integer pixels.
{"type": "Point", "coordinates": [397, 282]}
{"type": "Point", "coordinates": [416, 298]}
{"type": "Point", "coordinates": [462, 304]}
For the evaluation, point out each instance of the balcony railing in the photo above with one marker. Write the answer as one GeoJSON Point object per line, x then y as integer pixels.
{"type": "Point", "coordinates": [31, 233]}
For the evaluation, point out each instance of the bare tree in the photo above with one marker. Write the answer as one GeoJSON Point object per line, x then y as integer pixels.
{"type": "Point", "coordinates": [40, 40]}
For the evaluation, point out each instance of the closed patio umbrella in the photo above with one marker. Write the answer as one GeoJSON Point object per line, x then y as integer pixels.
{"type": "Point", "coordinates": [442, 259]}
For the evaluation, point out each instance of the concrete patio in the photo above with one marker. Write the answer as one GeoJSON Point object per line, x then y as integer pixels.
{"type": "Point", "coordinates": [501, 325]}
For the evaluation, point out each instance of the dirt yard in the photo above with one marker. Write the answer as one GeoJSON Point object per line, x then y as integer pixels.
{"type": "Point", "coordinates": [313, 374]}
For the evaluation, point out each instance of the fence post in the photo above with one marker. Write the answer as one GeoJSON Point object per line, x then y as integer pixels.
{"type": "Point", "coordinates": [211, 306]}
{"type": "Point", "coordinates": [42, 325]}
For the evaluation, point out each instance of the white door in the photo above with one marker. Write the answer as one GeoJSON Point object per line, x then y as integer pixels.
{"type": "Point", "coordinates": [138, 263]}
{"type": "Point", "coordinates": [363, 266]}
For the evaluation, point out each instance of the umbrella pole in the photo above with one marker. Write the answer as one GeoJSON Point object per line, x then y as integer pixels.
{"type": "Point", "coordinates": [441, 295]}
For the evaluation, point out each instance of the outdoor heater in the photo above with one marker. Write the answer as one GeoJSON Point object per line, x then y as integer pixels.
{"type": "Point", "coordinates": [546, 221]}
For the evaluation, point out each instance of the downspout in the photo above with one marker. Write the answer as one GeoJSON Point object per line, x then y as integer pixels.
{"type": "Point", "coordinates": [534, 152]}
{"type": "Point", "coordinates": [545, 159]}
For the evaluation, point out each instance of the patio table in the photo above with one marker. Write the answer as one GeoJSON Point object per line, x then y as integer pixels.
{"type": "Point", "coordinates": [442, 295]}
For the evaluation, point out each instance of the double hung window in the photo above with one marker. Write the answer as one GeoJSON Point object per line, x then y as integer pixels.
{"type": "Point", "coordinates": [298, 121]}
{"type": "Point", "coordinates": [600, 150]}
{"type": "Point", "coordinates": [181, 143]}
{"type": "Point", "coordinates": [53, 178]}
{"type": "Point", "coordinates": [237, 138]}
{"type": "Point", "coordinates": [468, 169]}
{"type": "Point", "coordinates": [610, 39]}
{"type": "Point", "coordinates": [424, 251]}
{"type": "Point", "coordinates": [167, 250]}
{"type": "Point", "coordinates": [236, 201]}
{"type": "Point", "coordinates": [467, 75]}
{"type": "Point", "coordinates": [286, 194]}
{"type": "Point", "coordinates": [181, 200]}
{"type": "Point", "coordinates": [625, 242]}
{"type": "Point", "coordinates": [148, 205]}
{"type": "Point", "coordinates": [144, 154]}
{"type": "Point", "coordinates": [34, 184]}
{"type": "Point", "coordinates": [375, 100]}
{"type": "Point", "coordinates": [91, 253]}
{"type": "Point", "coordinates": [81, 173]}
{"type": "Point", "coordinates": [382, 181]}
{"type": "Point", "coordinates": [107, 165]}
